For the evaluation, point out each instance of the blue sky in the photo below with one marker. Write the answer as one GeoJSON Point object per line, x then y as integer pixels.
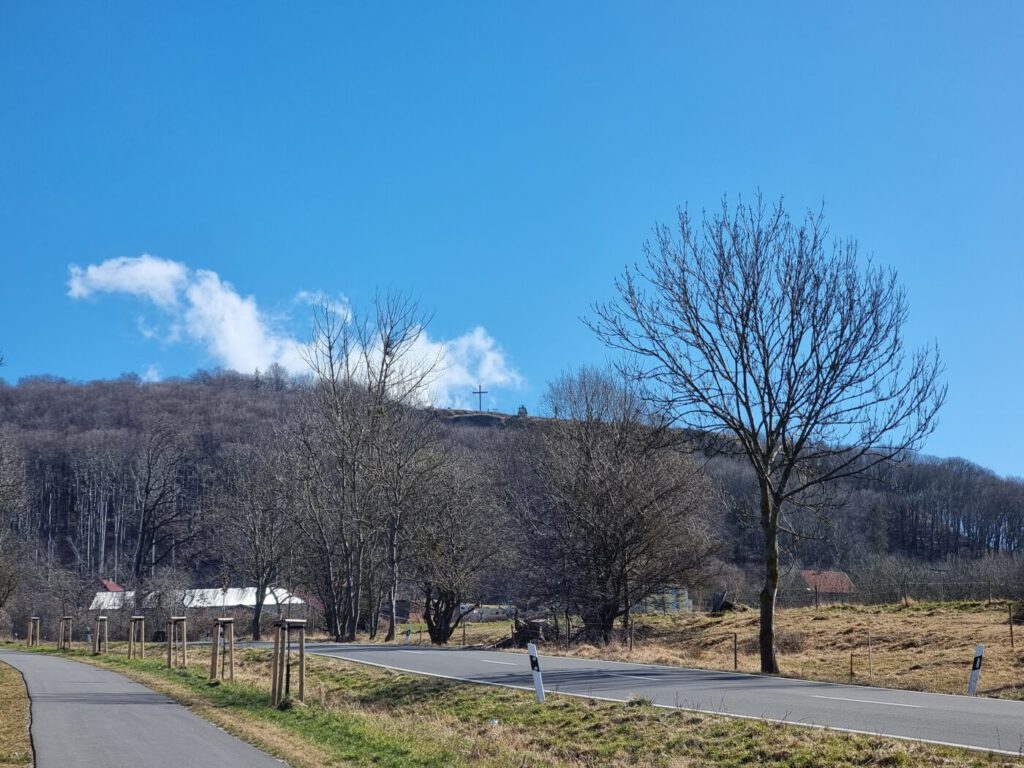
{"type": "Point", "coordinates": [503, 163]}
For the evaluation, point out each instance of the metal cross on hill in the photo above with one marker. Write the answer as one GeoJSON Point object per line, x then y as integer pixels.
{"type": "Point", "coordinates": [480, 392]}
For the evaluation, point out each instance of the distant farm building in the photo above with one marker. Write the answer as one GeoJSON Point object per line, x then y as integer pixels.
{"type": "Point", "coordinates": [198, 599]}
{"type": "Point", "coordinates": [831, 586]}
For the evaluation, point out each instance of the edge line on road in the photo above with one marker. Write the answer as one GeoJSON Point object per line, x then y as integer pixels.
{"type": "Point", "coordinates": [868, 701]}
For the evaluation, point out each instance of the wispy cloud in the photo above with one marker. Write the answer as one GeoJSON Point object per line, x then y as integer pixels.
{"type": "Point", "coordinates": [199, 305]}
{"type": "Point", "coordinates": [149, 277]}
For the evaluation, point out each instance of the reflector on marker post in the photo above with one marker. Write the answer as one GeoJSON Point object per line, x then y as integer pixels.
{"type": "Point", "coordinates": [972, 684]}
{"type": "Point", "coordinates": [538, 683]}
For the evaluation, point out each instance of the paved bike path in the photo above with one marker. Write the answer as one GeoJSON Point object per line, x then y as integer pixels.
{"type": "Point", "coordinates": [87, 717]}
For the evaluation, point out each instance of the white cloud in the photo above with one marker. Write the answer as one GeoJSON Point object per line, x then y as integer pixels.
{"type": "Point", "coordinates": [471, 359]}
{"type": "Point", "coordinates": [234, 331]}
{"type": "Point", "coordinates": [149, 277]}
{"type": "Point", "coordinates": [151, 375]}
{"type": "Point", "coordinates": [232, 327]}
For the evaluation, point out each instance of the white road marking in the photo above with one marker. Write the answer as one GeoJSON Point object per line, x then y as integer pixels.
{"type": "Point", "coordinates": [507, 663]}
{"type": "Point", "coordinates": [869, 701]}
{"type": "Point", "coordinates": [405, 651]}
{"type": "Point", "coordinates": [635, 677]}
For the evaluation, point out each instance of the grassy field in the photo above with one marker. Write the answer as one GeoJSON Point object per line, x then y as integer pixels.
{"type": "Point", "coordinates": [362, 716]}
{"type": "Point", "coordinates": [924, 647]}
{"type": "Point", "coordinates": [15, 748]}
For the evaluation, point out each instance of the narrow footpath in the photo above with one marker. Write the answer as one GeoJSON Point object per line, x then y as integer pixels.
{"type": "Point", "coordinates": [87, 717]}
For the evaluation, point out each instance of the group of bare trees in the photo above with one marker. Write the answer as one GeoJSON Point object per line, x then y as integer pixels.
{"type": "Point", "coordinates": [751, 340]}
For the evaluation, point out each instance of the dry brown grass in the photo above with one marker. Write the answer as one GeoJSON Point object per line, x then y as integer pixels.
{"type": "Point", "coordinates": [920, 647]}
{"type": "Point", "coordinates": [15, 746]}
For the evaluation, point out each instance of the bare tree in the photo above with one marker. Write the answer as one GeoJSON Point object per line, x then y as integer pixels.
{"type": "Point", "coordinates": [256, 494]}
{"type": "Point", "coordinates": [613, 514]}
{"type": "Point", "coordinates": [366, 447]}
{"type": "Point", "coordinates": [164, 518]}
{"type": "Point", "coordinates": [778, 345]}
{"type": "Point", "coordinates": [458, 533]}
{"type": "Point", "coordinates": [12, 497]}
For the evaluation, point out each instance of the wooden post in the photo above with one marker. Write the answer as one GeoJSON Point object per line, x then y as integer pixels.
{"type": "Point", "coordinates": [64, 634]}
{"type": "Point", "coordinates": [735, 652]}
{"type": "Point", "coordinates": [177, 629]}
{"type": "Point", "coordinates": [851, 665]}
{"type": "Point", "coordinates": [33, 631]}
{"type": "Point", "coordinates": [273, 664]}
{"type": "Point", "coordinates": [184, 642]}
{"type": "Point", "coordinates": [302, 663]}
{"type": "Point", "coordinates": [1011, 624]}
{"type": "Point", "coordinates": [100, 636]}
{"type": "Point", "coordinates": [869, 656]}
{"type": "Point", "coordinates": [214, 648]}
{"type": "Point", "coordinates": [231, 649]}
{"type": "Point", "coordinates": [224, 649]}
{"type": "Point", "coordinates": [137, 638]}
{"type": "Point", "coordinates": [300, 625]}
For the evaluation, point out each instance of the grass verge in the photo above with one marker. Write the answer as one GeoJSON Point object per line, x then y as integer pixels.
{"type": "Point", "coordinates": [919, 647]}
{"type": "Point", "coordinates": [363, 716]}
{"type": "Point", "coordinates": [15, 746]}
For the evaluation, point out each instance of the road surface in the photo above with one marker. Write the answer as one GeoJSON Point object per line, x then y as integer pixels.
{"type": "Point", "coordinates": [976, 723]}
{"type": "Point", "coordinates": [91, 718]}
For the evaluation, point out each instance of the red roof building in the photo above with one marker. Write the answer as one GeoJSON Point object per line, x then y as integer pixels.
{"type": "Point", "coordinates": [828, 582]}
{"type": "Point", "coordinates": [111, 586]}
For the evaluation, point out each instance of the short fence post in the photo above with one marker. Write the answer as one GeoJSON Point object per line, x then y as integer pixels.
{"type": "Point", "coordinates": [869, 656]}
{"type": "Point", "coordinates": [1011, 624]}
{"type": "Point", "coordinates": [64, 634]}
{"type": "Point", "coordinates": [214, 651]}
{"type": "Point", "coordinates": [851, 665]}
{"type": "Point", "coordinates": [100, 636]}
{"type": "Point", "coordinates": [173, 625]}
{"type": "Point", "coordinates": [735, 652]}
{"type": "Point", "coordinates": [137, 638]}
{"type": "Point", "coordinates": [274, 663]}
{"type": "Point", "coordinates": [300, 624]}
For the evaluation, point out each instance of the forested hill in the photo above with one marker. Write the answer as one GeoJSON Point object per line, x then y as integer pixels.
{"type": "Point", "coordinates": [96, 453]}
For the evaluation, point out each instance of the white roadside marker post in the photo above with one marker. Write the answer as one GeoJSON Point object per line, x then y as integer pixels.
{"type": "Point", "coordinates": [538, 683]}
{"type": "Point", "coordinates": [972, 684]}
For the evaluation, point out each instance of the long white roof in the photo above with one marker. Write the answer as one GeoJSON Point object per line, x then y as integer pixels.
{"type": "Point", "coordinates": [235, 597]}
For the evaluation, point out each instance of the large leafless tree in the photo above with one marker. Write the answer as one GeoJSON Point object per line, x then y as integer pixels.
{"type": "Point", "coordinates": [612, 512]}
{"type": "Point", "coordinates": [780, 344]}
{"type": "Point", "coordinates": [367, 447]}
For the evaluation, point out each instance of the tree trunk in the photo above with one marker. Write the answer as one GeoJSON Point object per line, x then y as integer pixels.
{"type": "Point", "coordinates": [393, 576]}
{"type": "Point", "coordinates": [257, 610]}
{"type": "Point", "coordinates": [770, 524]}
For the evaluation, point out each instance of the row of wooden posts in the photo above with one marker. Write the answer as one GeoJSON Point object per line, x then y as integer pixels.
{"type": "Point", "coordinates": [222, 651]}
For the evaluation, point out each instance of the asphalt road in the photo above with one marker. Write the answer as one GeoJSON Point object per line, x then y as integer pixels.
{"type": "Point", "coordinates": [977, 723]}
{"type": "Point", "coordinates": [91, 718]}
